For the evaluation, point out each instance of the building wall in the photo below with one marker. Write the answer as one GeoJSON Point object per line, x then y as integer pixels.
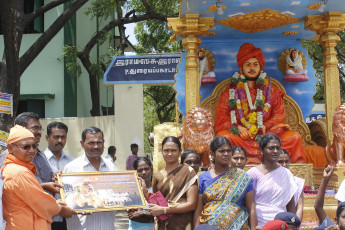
{"type": "Point", "coordinates": [76, 127]}
{"type": "Point", "coordinates": [46, 73]}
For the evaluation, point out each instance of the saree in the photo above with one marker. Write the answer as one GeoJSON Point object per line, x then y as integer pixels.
{"type": "Point", "coordinates": [223, 198]}
{"type": "Point", "coordinates": [172, 186]}
{"type": "Point", "coordinates": [300, 186]}
{"type": "Point", "coordinates": [273, 192]}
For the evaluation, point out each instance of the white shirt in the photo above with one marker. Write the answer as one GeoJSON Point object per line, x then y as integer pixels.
{"type": "Point", "coordinates": [110, 158]}
{"type": "Point", "coordinates": [57, 165]}
{"type": "Point", "coordinates": [98, 220]}
{"type": "Point", "coordinates": [341, 192]}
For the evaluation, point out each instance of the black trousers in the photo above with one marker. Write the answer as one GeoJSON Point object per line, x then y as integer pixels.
{"type": "Point", "coordinates": [59, 225]}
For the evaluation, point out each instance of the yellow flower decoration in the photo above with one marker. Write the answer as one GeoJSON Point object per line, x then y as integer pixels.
{"type": "Point", "coordinates": [245, 112]}
{"type": "Point", "coordinates": [266, 82]}
{"type": "Point", "coordinates": [266, 108]}
{"type": "Point", "coordinates": [245, 123]}
{"type": "Point", "coordinates": [251, 118]}
{"type": "Point", "coordinates": [240, 85]}
{"type": "Point", "coordinates": [253, 130]}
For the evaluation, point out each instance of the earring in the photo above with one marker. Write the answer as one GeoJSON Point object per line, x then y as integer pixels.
{"type": "Point", "coordinates": [211, 158]}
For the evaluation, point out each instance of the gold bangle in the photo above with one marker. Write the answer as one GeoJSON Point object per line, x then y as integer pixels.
{"type": "Point", "coordinates": [165, 211]}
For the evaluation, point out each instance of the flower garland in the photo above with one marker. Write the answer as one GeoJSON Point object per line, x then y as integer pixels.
{"type": "Point", "coordinates": [295, 63]}
{"type": "Point", "coordinates": [241, 104]}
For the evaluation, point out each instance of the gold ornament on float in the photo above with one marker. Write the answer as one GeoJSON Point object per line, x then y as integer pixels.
{"type": "Point", "coordinates": [198, 132]}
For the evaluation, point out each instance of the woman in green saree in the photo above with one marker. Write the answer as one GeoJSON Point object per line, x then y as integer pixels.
{"type": "Point", "coordinates": [226, 195]}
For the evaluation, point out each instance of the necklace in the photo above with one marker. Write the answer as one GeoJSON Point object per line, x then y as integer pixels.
{"type": "Point", "coordinates": [241, 104]}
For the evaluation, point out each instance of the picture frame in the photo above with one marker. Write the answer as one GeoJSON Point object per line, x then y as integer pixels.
{"type": "Point", "coordinates": [101, 191]}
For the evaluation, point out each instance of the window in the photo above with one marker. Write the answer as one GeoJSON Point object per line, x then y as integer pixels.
{"type": "Point", "coordinates": [37, 25]}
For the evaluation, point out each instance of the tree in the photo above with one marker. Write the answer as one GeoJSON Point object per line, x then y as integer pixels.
{"type": "Point", "coordinates": [315, 53]}
{"type": "Point", "coordinates": [14, 21]}
{"type": "Point", "coordinates": [153, 37]}
{"type": "Point", "coordinates": [159, 107]}
{"type": "Point", "coordinates": [137, 11]}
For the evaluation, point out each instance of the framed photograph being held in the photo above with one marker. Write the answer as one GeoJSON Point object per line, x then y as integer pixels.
{"type": "Point", "coordinates": [101, 191]}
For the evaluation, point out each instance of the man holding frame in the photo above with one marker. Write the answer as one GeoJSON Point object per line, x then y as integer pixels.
{"type": "Point", "coordinates": [93, 144]}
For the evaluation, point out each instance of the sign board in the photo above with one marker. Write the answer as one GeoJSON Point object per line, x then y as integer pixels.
{"type": "Point", "coordinates": [3, 138]}
{"type": "Point", "coordinates": [142, 70]}
{"type": "Point", "coordinates": [6, 103]}
{"type": "Point", "coordinates": [314, 117]}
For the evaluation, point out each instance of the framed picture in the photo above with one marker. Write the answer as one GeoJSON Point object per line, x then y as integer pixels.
{"type": "Point", "coordinates": [101, 191]}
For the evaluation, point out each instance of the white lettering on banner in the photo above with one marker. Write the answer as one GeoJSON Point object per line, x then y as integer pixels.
{"type": "Point", "coordinates": [162, 61]}
{"type": "Point", "coordinates": [120, 63]}
{"type": "Point", "coordinates": [126, 71]}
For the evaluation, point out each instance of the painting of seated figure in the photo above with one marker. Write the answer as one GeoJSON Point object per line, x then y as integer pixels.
{"type": "Point", "coordinates": [293, 63]}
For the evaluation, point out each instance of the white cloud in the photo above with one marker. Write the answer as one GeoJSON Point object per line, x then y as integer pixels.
{"type": "Point", "coordinates": [300, 92]}
{"type": "Point", "coordinates": [269, 49]}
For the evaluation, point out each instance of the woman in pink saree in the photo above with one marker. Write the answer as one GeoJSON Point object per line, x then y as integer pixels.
{"type": "Point", "coordinates": [274, 185]}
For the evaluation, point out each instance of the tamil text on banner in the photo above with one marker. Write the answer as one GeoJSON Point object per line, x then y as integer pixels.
{"type": "Point", "coordinates": [142, 70]}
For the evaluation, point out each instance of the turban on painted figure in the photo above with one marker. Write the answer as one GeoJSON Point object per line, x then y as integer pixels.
{"type": "Point", "coordinates": [252, 106]}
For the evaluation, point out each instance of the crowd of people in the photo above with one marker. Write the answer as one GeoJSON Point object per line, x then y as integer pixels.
{"type": "Point", "coordinates": [267, 196]}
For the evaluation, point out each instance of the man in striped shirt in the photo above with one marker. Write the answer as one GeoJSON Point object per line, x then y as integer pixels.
{"type": "Point", "coordinates": [92, 161]}
{"type": "Point", "coordinates": [58, 159]}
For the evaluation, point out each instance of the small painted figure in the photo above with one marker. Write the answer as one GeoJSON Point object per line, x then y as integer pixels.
{"type": "Point", "coordinates": [206, 74]}
{"type": "Point", "coordinates": [294, 63]}
{"type": "Point", "coordinates": [294, 68]}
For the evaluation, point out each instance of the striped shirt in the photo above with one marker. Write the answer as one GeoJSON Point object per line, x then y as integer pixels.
{"type": "Point", "coordinates": [57, 165]}
{"type": "Point", "coordinates": [98, 220]}
{"type": "Point", "coordinates": [44, 172]}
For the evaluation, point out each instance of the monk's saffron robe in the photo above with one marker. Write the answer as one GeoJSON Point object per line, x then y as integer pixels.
{"type": "Point", "coordinates": [291, 141]}
{"type": "Point", "coordinates": [26, 205]}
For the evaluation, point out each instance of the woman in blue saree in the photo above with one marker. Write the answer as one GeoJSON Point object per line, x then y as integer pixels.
{"type": "Point", "coordinates": [226, 195]}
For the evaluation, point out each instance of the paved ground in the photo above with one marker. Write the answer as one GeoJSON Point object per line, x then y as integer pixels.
{"type": "Point", "coordinates": [121, 222]}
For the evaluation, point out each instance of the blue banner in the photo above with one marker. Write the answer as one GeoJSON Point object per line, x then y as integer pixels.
{"type": "Point", "coordinates": [142, 70]}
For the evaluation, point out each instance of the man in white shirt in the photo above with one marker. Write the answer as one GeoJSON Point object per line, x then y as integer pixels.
{"type": "Point", "coordinates": [111, 154]}
{"type": "Point", "coordinates": [93, 144]}
{"type": "Point", "coordinates": [58, 159]}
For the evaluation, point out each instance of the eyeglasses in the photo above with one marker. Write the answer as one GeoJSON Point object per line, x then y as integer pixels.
{"type": "Point", "coordinates": [27, 147]}
{"type": "Point", "coordinates": [37, 128]}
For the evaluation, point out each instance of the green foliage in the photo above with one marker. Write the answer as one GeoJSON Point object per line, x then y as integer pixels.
{"type": "Point", "coordinates": [70, 54]}
{"type": "Point", "coordinates": [155, 109]}
{"type": "Point", "coordinates": [234, 130]}
{"type": "Point", "coordinates": [101, 9]}
{"type": "Point", "coordinates": [109, 56]}
{"type": "Point", "coordinates": [315, 53]}
{"type": "Point", "coordinates": [153, 36]}
{"type": "Point", "coordinates": [232, 103]}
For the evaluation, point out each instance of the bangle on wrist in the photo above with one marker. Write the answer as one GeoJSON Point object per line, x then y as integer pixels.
{"type": "Point", "coordinates": [165, 211]}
